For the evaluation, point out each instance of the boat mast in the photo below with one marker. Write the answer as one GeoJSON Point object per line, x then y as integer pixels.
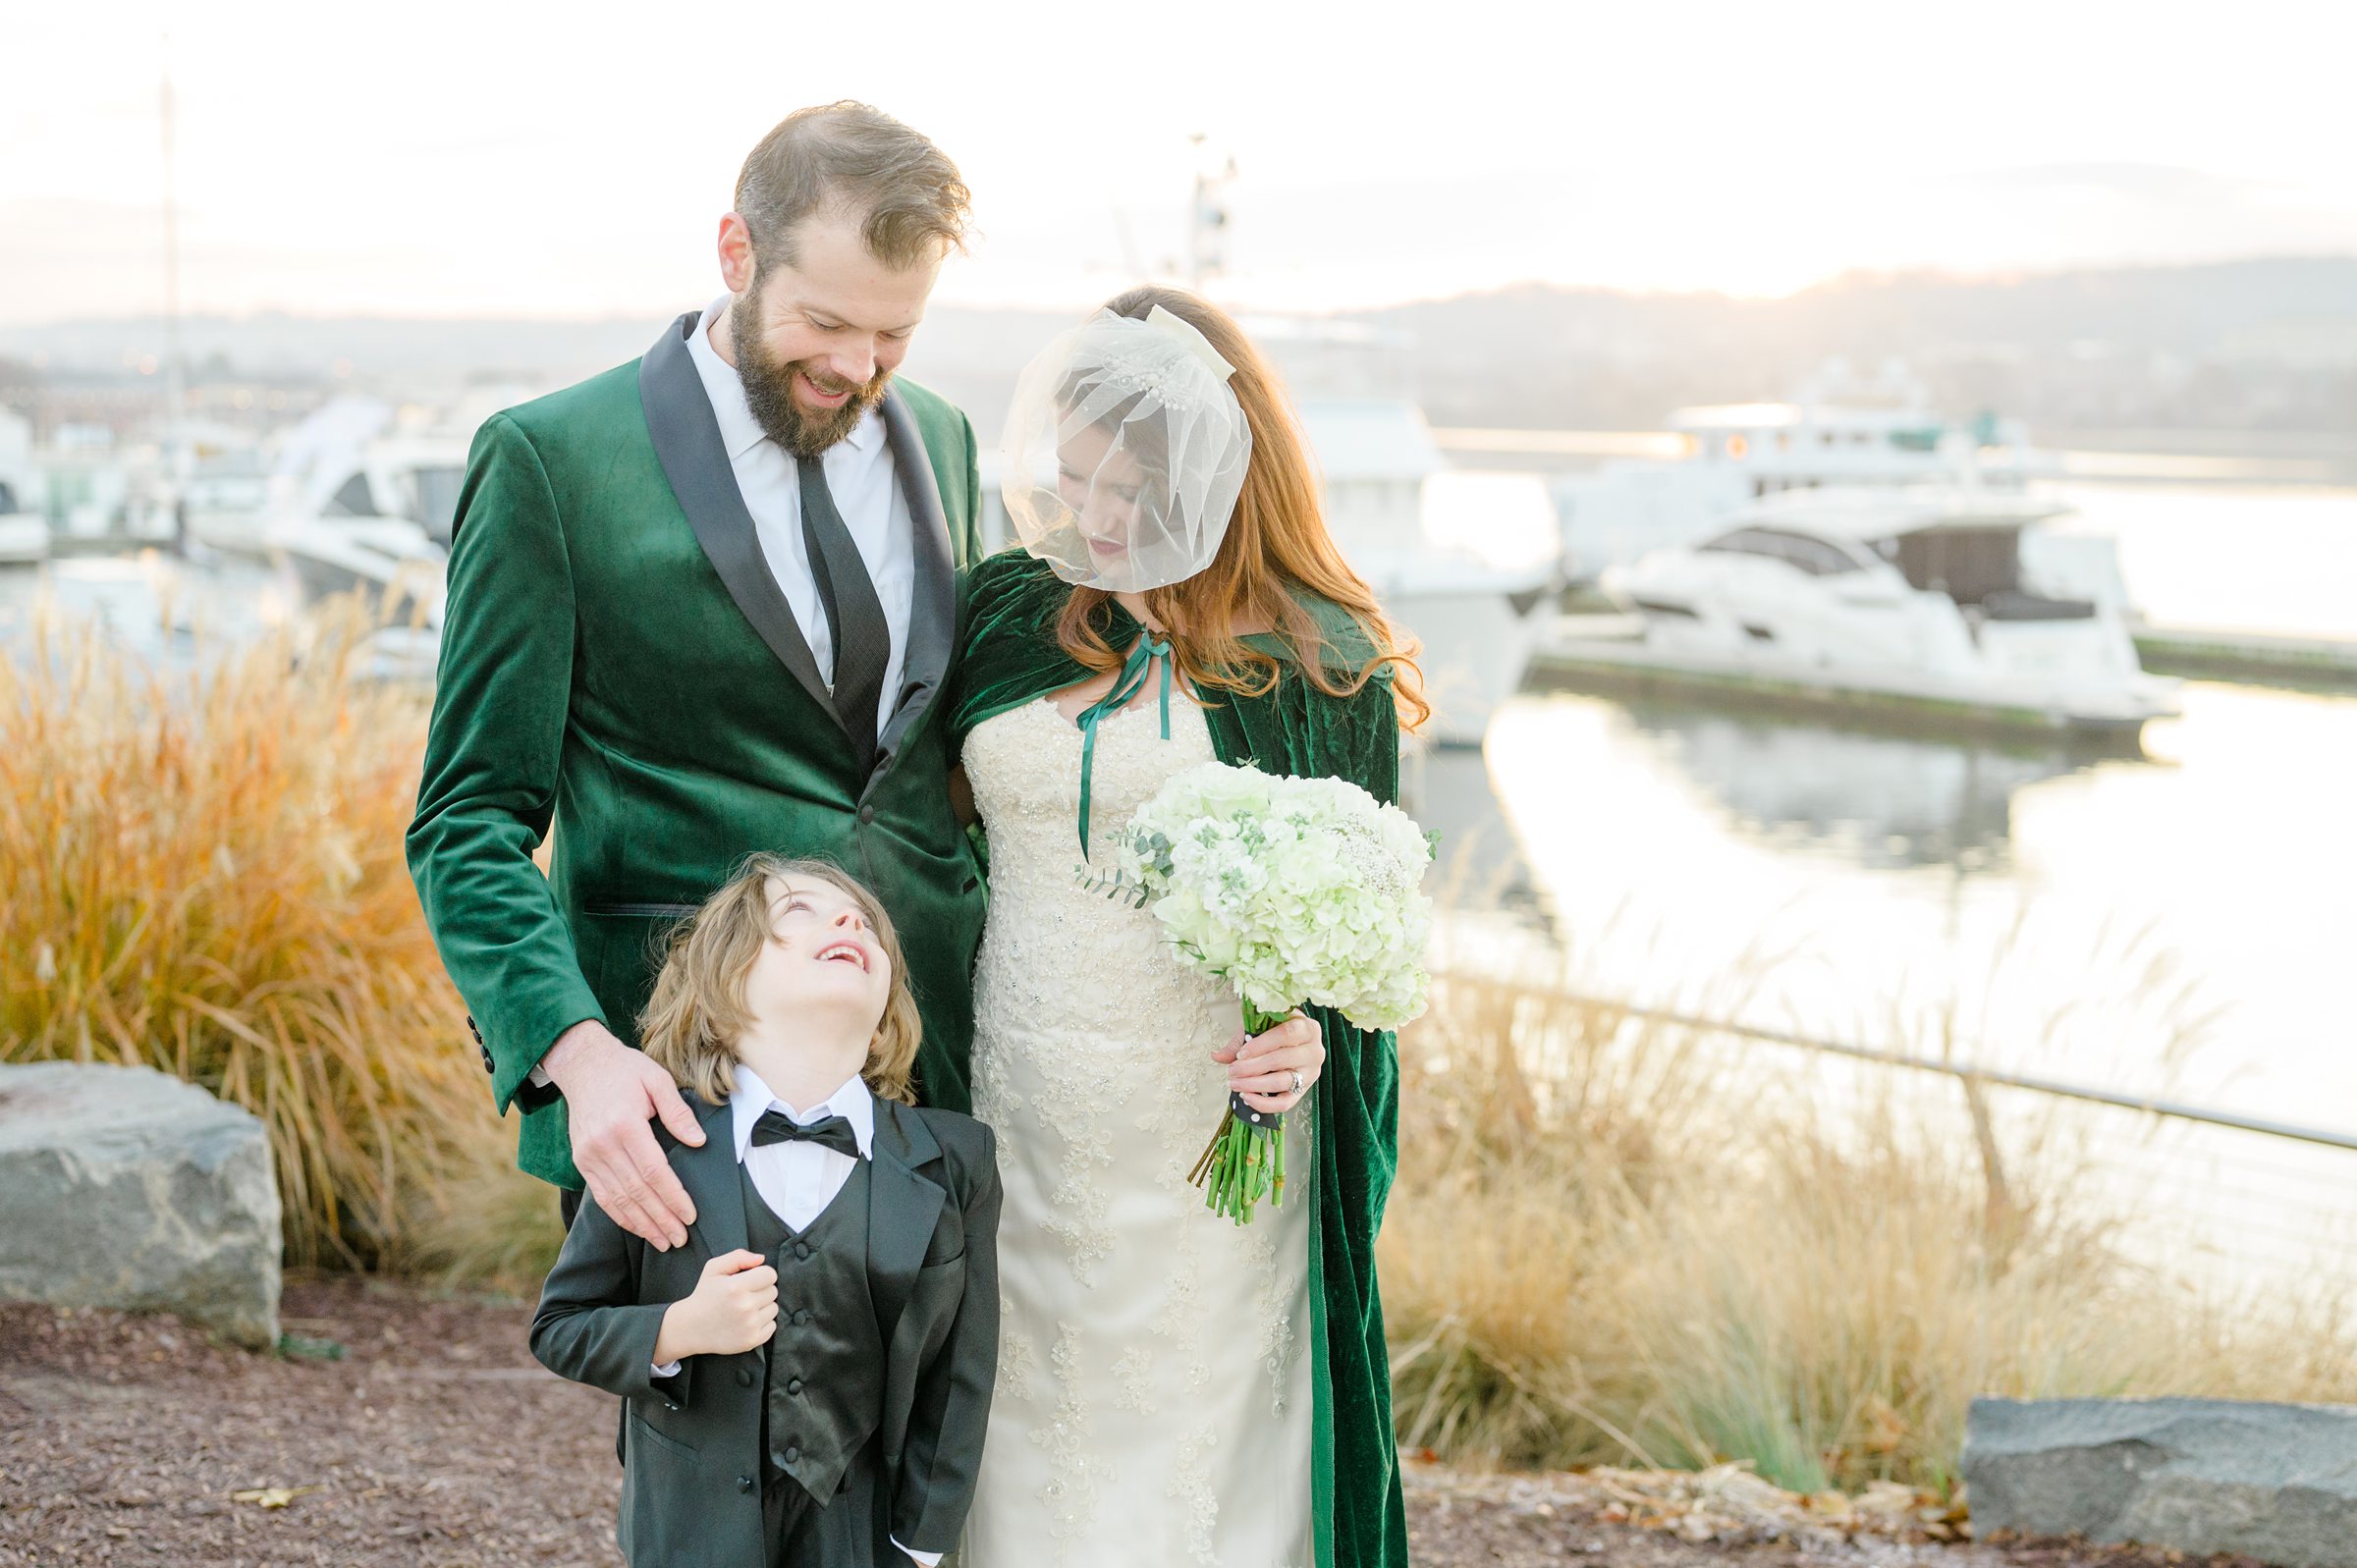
{"type": "Point", "coordinates": [1207, 220]}
{"type": "Point", "coordinates": [175, 372]}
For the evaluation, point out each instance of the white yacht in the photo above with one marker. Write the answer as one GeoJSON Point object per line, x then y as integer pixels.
{"type": "Point", "coordinates": [23, 530]}
{"type": "Point", "coordinates": [1461, 560]}
{"type": "Point", "coordinates": [1737, 453]}
{"type": "Point", "coordinates": [228, 497]}
{"type": "Point", "coordinates": [366, 502]}
{"type": "Point", "coordinates": [1937, 599]}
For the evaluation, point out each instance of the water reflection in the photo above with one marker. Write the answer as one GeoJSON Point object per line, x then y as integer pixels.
{"type": "Point", "coordinates": [1449, 791]}
{"type": "Point", "coordinates": [164, 612]}
{"type": "Point", "coordinates": [1879, 801]}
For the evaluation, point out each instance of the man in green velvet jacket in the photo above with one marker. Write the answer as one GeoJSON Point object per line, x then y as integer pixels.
{"type": "Point", "coordinates": [702, 605]}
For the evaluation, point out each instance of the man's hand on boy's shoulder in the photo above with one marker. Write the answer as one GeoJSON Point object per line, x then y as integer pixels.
{"type": "Point", "coordinates": [612, 1097]}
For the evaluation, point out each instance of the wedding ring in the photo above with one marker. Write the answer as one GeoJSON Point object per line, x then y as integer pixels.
{"type": "Point", "coordinates": [1298, 1080]}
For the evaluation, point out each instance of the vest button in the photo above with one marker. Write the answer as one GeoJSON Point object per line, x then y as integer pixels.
{"type": "Point", "coordinates": [794, 1385]}
{"type": "Point", "coordinates": [744, 1377]}
{"type": "Point", "coordinates": [801, 1251]}
{"type": "Point", "coordinates": [802, 1316]}
{"type": "Point", "coordinates": [867, 813]}
{"type": "Point", "coordinates": [793, 1455]}
{"type": "Point", "coordinates": [744, 1483]}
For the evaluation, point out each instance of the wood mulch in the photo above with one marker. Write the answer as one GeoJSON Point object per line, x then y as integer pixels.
{"type": "Point", "coordinates": [433, 1440]}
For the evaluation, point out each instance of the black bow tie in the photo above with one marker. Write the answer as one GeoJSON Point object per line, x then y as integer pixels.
{"type": "Point", "coordinates": [828, 1132]}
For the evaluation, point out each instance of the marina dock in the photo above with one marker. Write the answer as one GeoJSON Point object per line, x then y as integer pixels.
{"type": "Point", "coordinates": [2248, 655]}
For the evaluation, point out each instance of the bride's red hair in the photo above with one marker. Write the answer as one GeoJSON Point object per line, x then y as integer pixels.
{"type": "Point", "coordinates": [1277, 542]}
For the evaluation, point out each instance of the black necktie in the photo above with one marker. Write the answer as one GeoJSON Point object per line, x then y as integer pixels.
{"type": "Point", "coordinates": [854, 614]}
{"type": "Point", "coordinates": [828, 1132]}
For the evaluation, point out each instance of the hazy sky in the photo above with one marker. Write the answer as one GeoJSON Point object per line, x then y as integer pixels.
{"type": "Point", "coordinates": [494, 158]}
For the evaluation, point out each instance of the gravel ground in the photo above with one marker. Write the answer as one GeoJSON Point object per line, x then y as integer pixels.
{"type": "Point", "coordinates": [135, 1439]}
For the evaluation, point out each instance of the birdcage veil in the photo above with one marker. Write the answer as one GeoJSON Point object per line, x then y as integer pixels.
{"type": "Point", "coordinates": [1125, 452]}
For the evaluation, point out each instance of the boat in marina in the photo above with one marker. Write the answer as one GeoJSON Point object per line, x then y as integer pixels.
{"type": "Point", "coordinates": [23, 530]}
{"type": "Point", "coordinates": [1460, 559]}
{"type": "Point", "coordinates": [365, 501]}
{"type": "Point", "coordinates": [1946, 603]}
{"type": "Point", "coordinates": [1734, 455]}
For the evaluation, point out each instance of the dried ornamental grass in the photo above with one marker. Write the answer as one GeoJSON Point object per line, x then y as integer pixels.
{"type": "Point", "coordinates": [202, 873]}
{"type": "Point", "coordinates": [1609, 1246]}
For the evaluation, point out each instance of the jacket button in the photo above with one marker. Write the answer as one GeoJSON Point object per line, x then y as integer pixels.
{"type": "Point", "coordinates": [793, 1455]}
{"type": "Point", "coordinates": [744, 1483]}
{"type": "Point", "coordinates": [744, 1377]}
{"type": "Point", "coordinates": [473, 1029]}
{"type": "Point", "coordinates": [867, 813]}
{"type": "Point", "coordinates": [488, 1064]}
{"type": "Point", "coordinates": [802, 1316]}
{"type": "Point", "coordinates": [794, 1385]}
{"type": "Point", "coordinates": [801, 1251]}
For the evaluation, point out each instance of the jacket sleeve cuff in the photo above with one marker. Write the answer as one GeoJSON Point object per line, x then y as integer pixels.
{"type": "Point", "coordinates": [537, 1090]}
{"type": "Point", "coordinates": [519, 1035]}
{"type": "Point", "coordinates": [643, 1324]}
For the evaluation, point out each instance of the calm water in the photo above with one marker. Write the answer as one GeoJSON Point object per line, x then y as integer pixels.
{"type": "Point", "coordinates": [2246, 559]}
{"type": "Point", "coordinates": [1866, 884]}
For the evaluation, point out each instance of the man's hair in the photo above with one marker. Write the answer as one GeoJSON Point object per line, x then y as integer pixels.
{"type": "Point", "coordinates": [859, 161]}
{"type": "Point", "coordinates": [698, 1010]}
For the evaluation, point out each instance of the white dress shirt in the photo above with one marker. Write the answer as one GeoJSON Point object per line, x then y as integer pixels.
{"type": "Point", "coordinates": [862, 478]}
{"type": "Point", "coordinates": [797, 1180]}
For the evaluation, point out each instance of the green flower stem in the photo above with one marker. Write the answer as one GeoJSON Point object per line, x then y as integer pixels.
{"type": "Point", "coordinates": [1244, 1163]}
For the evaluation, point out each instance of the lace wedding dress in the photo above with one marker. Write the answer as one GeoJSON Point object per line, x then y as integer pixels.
{"type": "Point", "coordinates": [1153, 1402]}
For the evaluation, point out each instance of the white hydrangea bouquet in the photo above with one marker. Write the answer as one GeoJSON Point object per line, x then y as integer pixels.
{"type": "Point", "coordinates": [1294, 891]}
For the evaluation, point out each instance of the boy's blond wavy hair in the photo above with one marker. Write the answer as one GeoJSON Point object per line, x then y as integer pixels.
{"type": "Point", "coordinates": [698, 1011]}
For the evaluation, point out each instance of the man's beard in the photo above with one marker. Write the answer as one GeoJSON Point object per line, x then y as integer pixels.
{"type": "Point", "coordinates": [769, 392]}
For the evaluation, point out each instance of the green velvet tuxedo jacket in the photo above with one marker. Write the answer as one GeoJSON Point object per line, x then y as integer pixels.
{"type": "Point", "coordinates": [618, 661]}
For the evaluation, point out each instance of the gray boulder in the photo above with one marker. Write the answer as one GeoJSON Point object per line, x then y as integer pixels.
{"type": "Point", "coordinates": [122, 1187]}
{"type": "Point", "coordinates": [2277, 1483]}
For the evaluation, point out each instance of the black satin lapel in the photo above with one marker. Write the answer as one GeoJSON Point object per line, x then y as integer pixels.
{"type": "Point", "coordinates": [933, 599]}
{"type": "Point", "coordinates": [903, 1206]}
{"type": "Point", "coordinates": [708, 1171]}
{"type": "Point", "coordinates": [687, 438]}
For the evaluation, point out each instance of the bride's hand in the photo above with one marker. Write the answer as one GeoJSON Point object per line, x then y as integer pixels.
{"type": "Point", "coordinates": [1261, 1067]}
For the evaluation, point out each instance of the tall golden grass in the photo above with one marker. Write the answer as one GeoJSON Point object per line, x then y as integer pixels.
{"type": "Point", "coordinates": [203, 872]}
{"type": "Point", "coordinates": [1609, 1243]}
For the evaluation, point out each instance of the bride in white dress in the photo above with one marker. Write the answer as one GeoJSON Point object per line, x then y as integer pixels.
{"type": "Point", "coordinates": [1152, 1404]}
{"type": "Point", "coordinates": [1153, 1396]}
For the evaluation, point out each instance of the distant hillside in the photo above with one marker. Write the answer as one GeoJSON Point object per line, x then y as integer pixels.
{"type": "Point", "coordinates": [2255, 346]}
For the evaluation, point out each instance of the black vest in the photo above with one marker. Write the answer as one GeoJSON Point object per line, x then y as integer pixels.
{"type": "Point", "coordinates": [824, 1395]}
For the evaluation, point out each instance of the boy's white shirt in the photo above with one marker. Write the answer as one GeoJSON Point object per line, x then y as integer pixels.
{"type": "Point", "coordinates": [797, 1180]}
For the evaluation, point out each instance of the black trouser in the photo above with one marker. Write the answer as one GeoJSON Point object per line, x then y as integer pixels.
{"type": "Point", "coordinates": [854, 1529]}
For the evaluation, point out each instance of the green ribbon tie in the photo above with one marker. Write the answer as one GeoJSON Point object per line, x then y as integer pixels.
{"type": "Point", "coordinates": [1142, 654]}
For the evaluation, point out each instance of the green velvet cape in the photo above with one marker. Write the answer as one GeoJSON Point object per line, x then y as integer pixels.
{"type": "Point", "coordinates": [1009, 656]}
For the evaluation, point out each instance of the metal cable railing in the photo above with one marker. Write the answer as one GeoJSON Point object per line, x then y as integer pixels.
{"type": "Point", "coordinates": [2150, 1106]}
{"type": "Point", "coordinates": [2211, 1191]}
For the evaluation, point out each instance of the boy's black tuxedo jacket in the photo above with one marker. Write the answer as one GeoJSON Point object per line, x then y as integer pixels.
{"type": "Point", "coordinates": [691, 1444]}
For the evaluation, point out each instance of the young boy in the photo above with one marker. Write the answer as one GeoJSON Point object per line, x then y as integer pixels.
{"type": "Point", "coordinates": [806, 1384]}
